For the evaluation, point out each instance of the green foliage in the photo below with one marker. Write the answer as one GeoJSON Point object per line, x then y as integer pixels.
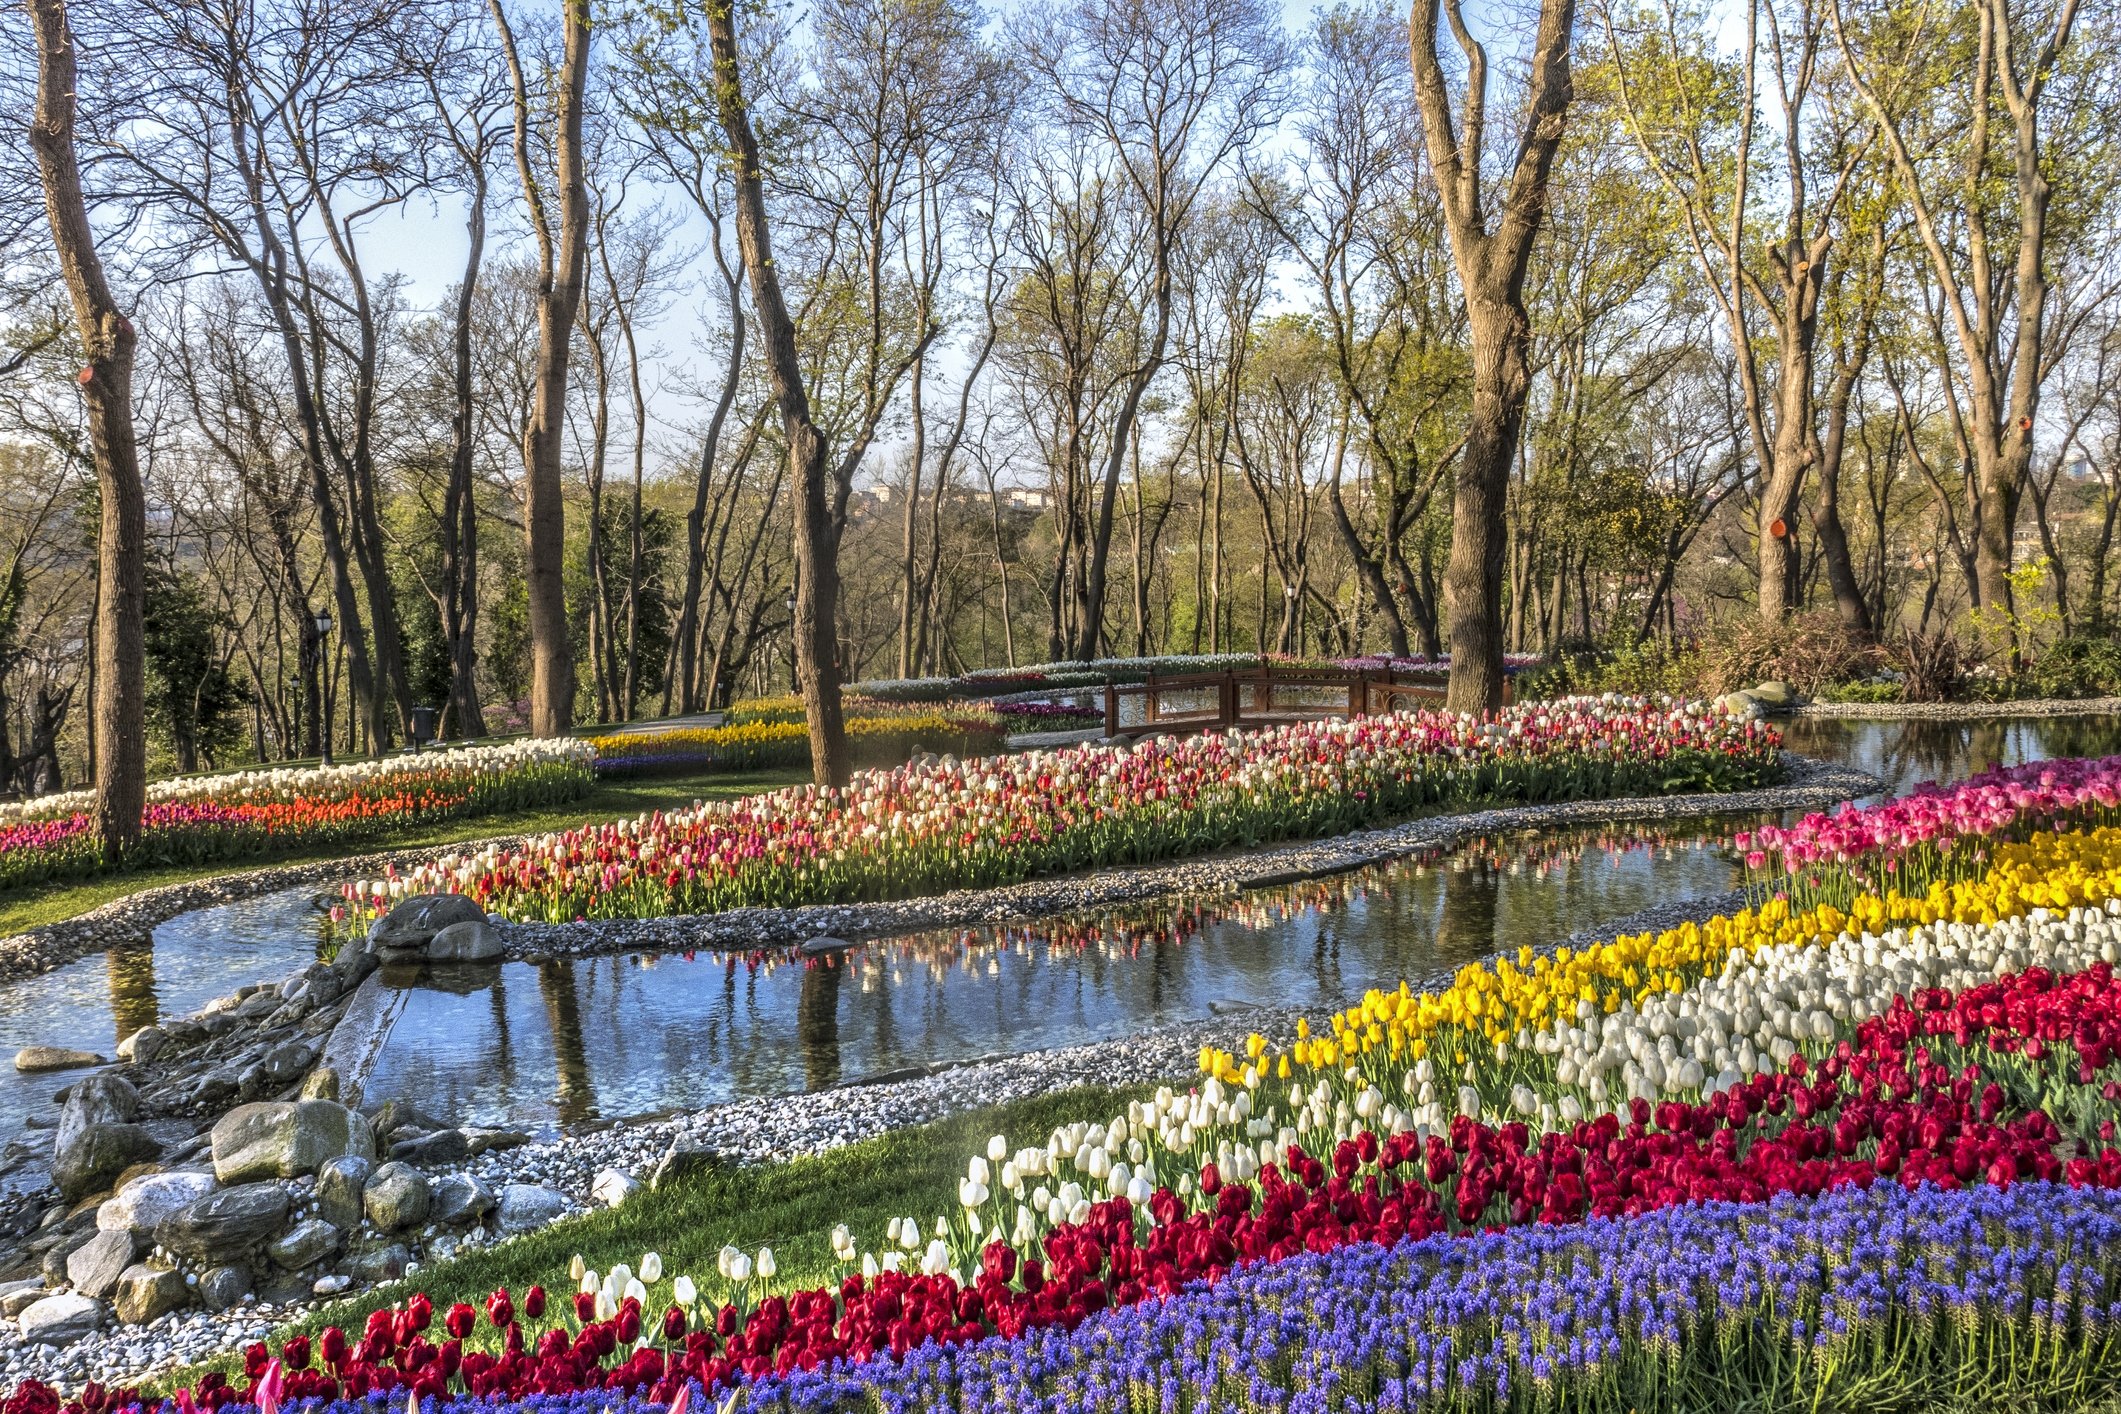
{"type": "Point", "coordinates": [1621, 665]}
{"type": "Point", "coordinates": [2066, 668]}
{"type": "Point", "coordinates": [193, 703]}
{"type": "Point", "coordinates": [1863, 690]}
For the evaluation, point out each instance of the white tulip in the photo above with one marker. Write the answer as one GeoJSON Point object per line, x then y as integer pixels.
{"type": "Point", "coordinates": [637, 1291]}
{"type": "Point", "coordinates": [768, 1268]}
{"type": "Point", "coordinates": [740, 1267]}
{"type": "Point", "coordinates": [684, 1291]}
{"type": "Point", "coordinates": [936, 1261]}
{"type": "Point", "coordinates": [997, 1149]}
{"type": "Point", "coordinates": [652, 1268]}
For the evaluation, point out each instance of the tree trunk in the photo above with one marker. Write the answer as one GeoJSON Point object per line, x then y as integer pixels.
{"type": "Point", "coordinates": [460, 524]}
{"type": "Point", "coordinates": [106, 383]}
{"type": "Point", "coordinates": [817, 584]}
{"type": "Point", "coordinates": [562, 254]}
{"type": "Point", "coordinates": [1491, 272]}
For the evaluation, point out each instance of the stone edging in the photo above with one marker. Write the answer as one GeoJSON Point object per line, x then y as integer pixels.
{"type": "Point", "coordinates": [1959, 711]}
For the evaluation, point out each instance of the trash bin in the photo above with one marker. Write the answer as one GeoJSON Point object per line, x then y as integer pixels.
{"type": "Point", "coordinates": [423, 725]}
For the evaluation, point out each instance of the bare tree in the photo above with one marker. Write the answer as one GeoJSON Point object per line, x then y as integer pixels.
{"type": "Point", "coordinates": [817, 586]}
{"type": "Point", "coordinates": [1491, 272]}
{"type": "Point", "coordinates": [108, 339]}
{"type": "Point", "coordinates": [563, 241]}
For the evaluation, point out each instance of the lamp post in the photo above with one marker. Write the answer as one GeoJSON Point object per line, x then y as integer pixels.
{"type": "Point", "coordinates": [795, 681]}
{"type": "Point", "coordinates": [323, 627]}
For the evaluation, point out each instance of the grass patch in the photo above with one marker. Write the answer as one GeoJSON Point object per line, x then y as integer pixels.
{"type": "Point", "coordinates": [789, 1207]}
{"type": "Point", "coordinates": [59, 900]}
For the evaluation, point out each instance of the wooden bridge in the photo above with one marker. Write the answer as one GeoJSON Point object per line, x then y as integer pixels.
{"type": "Point", "coordinates": [1267, 696]}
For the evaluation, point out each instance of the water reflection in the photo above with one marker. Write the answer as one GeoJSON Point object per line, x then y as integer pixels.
{"type": "Point", "coordinates": [620, 1036]}
{"type": "Point", "coordinates": [1904, 754]}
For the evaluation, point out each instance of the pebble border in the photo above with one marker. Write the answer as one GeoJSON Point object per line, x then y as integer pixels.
{"type": "Point", "coordinates": [1964, 711]}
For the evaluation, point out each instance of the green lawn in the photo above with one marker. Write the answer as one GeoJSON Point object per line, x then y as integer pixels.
{"type": "Point", "coordinates": [63, 899]}
{"type": "Point", "coordinates": [790, 1207]}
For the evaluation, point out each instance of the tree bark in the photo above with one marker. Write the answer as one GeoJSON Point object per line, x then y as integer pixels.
{"type": "Point", "coordinates": [106, 384]}
{"type": "Point", "coordinates": [817, 583]}
{"type": "Point", "coordinates": [1491, 272]}
{"type": "Point", "coordinates": [562, 255]}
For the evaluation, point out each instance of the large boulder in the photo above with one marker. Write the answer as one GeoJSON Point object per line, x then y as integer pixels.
{"type": "Point", "coordinates": [307, 1243]}
{"type": "Point", "coordinates": [95, 1266]}
{"type": "Point", "coordinates": [444, 1146]}
{"type": "Point", "coordinates": [223, 1224]}
{"type": "Point", "coordinates": [145, 1201]}
{"type": "Point", "coordinates": [612, 1187]}
{"type": "Point", "coordinates": [286, 1138]}
{"type": "Point", "coordinates": [60, 1320]}
{"type": "Point", "coordinates": [473, 940]}
{"type": "Point", "coordinates": [526, 1207]}
{"type": "Point", "coordinates": [412, 925]}
{"type": "Point", "coordinates": [684, 1158]}
{"type": "Point", "coordinates": [97, 1139]}
{"type": "Point", "coordinates": [339, 1185]}
{"type": "Point", "coordinates": [1775, 695]}
{"type": "Point", "coordinates": [396, 1197]}
{"type": "Point", "coordinates": [146, 1292]}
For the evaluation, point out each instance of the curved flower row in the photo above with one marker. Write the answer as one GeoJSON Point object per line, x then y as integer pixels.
{"type": "Point", "coordinates": [950, 824]}
{"type": "Point", "coordinates": [1934, 832]}
{"type": "Point", "coordinates": [251, 812]}
{"type": "Point", "coordinates": [1077, 673]}
{"type": "Point", "coordinates": [764, 742]}
{"type": "Point", "coordinates": [471, 766]}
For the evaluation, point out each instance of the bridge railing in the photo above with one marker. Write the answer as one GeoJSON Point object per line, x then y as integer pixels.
{"type": "Point", "coordinates": [1257, 697]}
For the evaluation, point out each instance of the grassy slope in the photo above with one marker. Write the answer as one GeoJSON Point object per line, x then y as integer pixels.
{"type": "Point", "coordinates": [790, 1207]}
{"type": "Point", "coordinates": [60, 900]}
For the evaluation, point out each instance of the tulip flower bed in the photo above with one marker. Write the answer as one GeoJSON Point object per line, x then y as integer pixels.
{"type": "Point", "coordinates": [944, 825]}
{"type": "Point", "coordinates": [1932, 833]}
{"type": "Point", "coordinates": [193, 819]}
{"type": "Point", "coordinates": [763, 736]}
{"type": "Point", "coordinates": [1974, 1042]}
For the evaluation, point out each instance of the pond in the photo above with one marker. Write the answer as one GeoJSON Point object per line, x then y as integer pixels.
{"type": "Point", "coordinates": [559, 1044]}
{"type": "Point", "coordinates": [93, 1003]}
{"type": "Point", "coordinates": [1904, 754]}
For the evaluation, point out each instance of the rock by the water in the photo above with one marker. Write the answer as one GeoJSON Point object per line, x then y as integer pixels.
{"type": "Point", "coordinates": [16, 1295]}
{"type": "Point", "coordinates": [821, 946]}
{"type": "Point", "coordinates": [396, 1197]}
{"type": "Point", "coordinates": [224, 1223]}
{"type": "Point", "coordinates": [61, 1319]}
{"type": "Point", "coordinates": [307, 1243]}
{"type": "Point", "coordinates": [97, 1139]}
{"type": "Point", "coordinates": [469, 941]}
{"type": "Point", "coordinates": [143, 1045]}
{"type": "Point", "coordinates": [444, 1146]}
{"type": "Point", "coordinates": [141, 1203]}
{"type": "Point", "coordinates": [146, 1292]}
{"type": "Point", "coordinates": [321, 1084]}
{"type": "Point", "coordinates": [459, 1199]}
{"type": "Point", "coordinates": [34, 1060]}
{"type": "Point", "coordinates": [416, 920]}
{"type": "Point", "coordinates": [331, 1285]}
{"type": "Point", "coordinates": [1775, 695]}
{"type": "Point", "coordinates": [284, 1139]}
{"type": "Point", "coordinates": [525, 1207]}
{"type": "Point", "coordinates": [611, 1187]}
{"type": "Point", "coordinates": [339, 1185]}
{"type": "Point", "coordinates": [95, 1266]}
